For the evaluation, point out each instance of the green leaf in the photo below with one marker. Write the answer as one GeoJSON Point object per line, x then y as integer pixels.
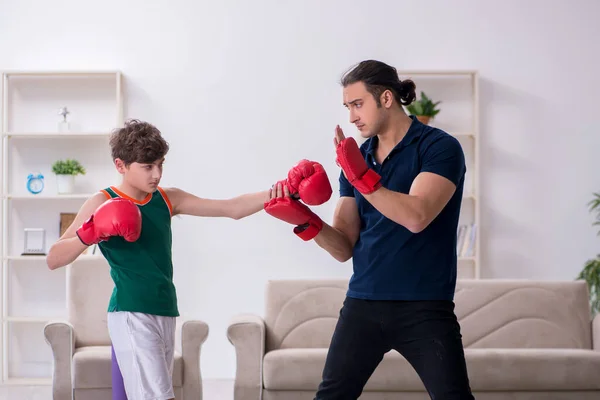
{"type": "Point", "coordinates": [591, 274]}
{"type": "Point", "coordinates": [68, 167]}
{"type": "Point", "coordinates": [424, 106]}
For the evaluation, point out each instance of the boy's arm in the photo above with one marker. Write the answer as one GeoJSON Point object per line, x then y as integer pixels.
{"type": "Point", "coordinates": [237, 207]}
{"type": "Point", "coordinates": [69, 246]}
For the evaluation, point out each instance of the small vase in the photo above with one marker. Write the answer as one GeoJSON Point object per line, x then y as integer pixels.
{"type": "Point", "coordinates": [65, 183]}
{"type": "Point", "coordinates": [64, 126]}
{"type": "Point", "coordinates": [424, 119]}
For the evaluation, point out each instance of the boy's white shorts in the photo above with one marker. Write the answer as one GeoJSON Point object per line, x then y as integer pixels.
{"type": "Point", "coordinates": [144, 346]}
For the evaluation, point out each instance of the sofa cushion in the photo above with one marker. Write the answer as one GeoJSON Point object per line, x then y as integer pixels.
{"type": "Point", "coordinates": [497, 313]}
{"type": "Point", "coordinates": [489, 370]}
{"type": "Point", "coordinates": [92, 368]}
{"type": "Point", "coordinates": [533, 369]}
{"type": "Point", "coordinates": [302, 313]}
{"type": "Point", "coordinates": [493, 313]}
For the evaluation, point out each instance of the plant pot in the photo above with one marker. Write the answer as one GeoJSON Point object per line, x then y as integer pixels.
{"type": "Point", "coordinates": [424, 119]}
{"type": "Point", "coordinates": [65, 183]}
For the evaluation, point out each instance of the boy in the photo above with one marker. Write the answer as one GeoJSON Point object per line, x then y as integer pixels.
{"type": "Point", "coordinates": [131, 224]}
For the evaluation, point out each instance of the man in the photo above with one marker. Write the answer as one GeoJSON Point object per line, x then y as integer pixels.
{"type": "Point", "coordinates": [397, 216]}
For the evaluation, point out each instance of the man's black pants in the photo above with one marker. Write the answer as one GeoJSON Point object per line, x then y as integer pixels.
{"type": "Point", "coordinates": [426, 333]}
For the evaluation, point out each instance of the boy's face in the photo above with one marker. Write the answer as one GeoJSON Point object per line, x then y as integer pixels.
{"type": "Point", "coordinates": [145, 177]}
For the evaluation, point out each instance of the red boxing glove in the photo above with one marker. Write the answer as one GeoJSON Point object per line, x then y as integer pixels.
{"type": "Point", "coordinates": [308, 224]}
{"type": "Point", "coordinates": [308, 181]}
{"type": "Point", "coordinates": [358, 173]}
{"type": "Point", "coordinates": [114, 217]}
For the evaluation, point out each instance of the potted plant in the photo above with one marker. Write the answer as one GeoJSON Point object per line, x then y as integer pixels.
{"type": "Point", "coordinates": [65, 171]}
{"type": "Point", "coordinates": [591, 269]}
{"type": "Point", "coordinates": [424, 109]}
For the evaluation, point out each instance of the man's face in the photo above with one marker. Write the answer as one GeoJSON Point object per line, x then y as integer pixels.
{"type": "Point", "coordinates": [364, 112]}
{"type": "Point", "coordinates": [145, 177]}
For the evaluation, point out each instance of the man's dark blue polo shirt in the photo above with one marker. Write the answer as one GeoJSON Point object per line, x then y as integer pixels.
{"type": "Point", "coordinates": [390, 262]}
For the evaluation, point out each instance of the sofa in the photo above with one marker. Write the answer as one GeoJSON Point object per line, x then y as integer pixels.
{"type": "Point", "coordinates": [523, 339]}
{"type": "Point", "coordinates": [81, 345]}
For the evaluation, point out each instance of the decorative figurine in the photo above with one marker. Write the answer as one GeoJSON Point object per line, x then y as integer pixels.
{"type": "Point", "coordinates": [64, 125]}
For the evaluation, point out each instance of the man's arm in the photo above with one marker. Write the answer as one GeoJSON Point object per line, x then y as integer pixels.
{"type": "Point", "coordinates": [428, 195]}
{"type": "Point", "coordinates": [237, 207]}
{"type": "Point", "coordinates": [443, 167]}
{"type": "Point", "coordinates": [339, 239]}
{"type": "Point", "coordinates": [69, 246]}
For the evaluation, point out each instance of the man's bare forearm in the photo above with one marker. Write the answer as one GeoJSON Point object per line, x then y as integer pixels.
{"type": "Point", "coordinates": [64, 252]}
{"type": "Point", "coordinates": [335, 243]}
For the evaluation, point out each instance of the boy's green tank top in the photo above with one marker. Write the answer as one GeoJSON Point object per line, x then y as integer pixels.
{"type": "Point", "coordinates": [143, 270]}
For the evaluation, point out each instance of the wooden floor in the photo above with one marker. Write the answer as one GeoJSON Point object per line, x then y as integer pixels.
{"type": "Point", "coordinates": [213, 390]}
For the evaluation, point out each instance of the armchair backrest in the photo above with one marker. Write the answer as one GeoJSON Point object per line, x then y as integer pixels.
{"type": "Point", "coordinates": [302, 313]}
{"type": "Point", "coordinates": [89, 287]}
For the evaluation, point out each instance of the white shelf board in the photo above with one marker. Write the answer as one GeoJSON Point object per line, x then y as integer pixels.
{"type": "Point", "coordinates": [83, 257]}
{"type": "Point", "coordinates": [32, 320]}
{"type": "Point", "coordinates": [28, 381]}
{"type": "Point", "coordinates": [470, 259]}
{"type": "Point", "coordinates": [73, 196]}
{"type": "Point", "coordinates": [462, 134]}
{"type": "Point", "coordinates": [63, 73]}
{"type": "Point", "coordinates": [459, 72]}
{"type": "Point", "coordinates": [55, 135]}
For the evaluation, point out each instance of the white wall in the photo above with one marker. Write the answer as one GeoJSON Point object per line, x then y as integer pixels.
{"type": "Point", "coordinates": [242, 90]}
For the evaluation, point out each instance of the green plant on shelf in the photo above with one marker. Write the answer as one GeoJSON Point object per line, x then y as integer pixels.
{"type": "Point", "coordinates": [424, 108]}
{"type": "Point", "coordinates": [591, 269]}
{"type": "Point", "coordinates": [68, 167]}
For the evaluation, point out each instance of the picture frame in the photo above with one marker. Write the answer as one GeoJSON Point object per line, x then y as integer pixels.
{"type": "Point", "coordinates": [66, 219]}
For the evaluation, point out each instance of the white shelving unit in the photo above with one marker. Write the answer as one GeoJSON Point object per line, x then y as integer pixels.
{"type": "Point", "coordinates": [458, 91]}
{"type": "Point", "coordinates": [31, 142]}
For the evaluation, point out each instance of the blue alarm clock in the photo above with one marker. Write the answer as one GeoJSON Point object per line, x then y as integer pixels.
{"type": "Point", "coordinates": [35, 183]}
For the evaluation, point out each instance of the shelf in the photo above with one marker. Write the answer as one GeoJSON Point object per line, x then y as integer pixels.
{"type": "Point", "coordinates": [28, 381]}
{"type": "Point", "coordinates": [462, 134]}
{"type": "Point", "coordinates": [33, 320]}
{"type": "Point", "coordinates": [83, 257]}
{"type": "Point", "coordinates": [74, 196]}
{"type": "Point", "coordinates": [56, 135]}
{"type": "Point", "coordinates": [32, 295]}
{"type": "Point", "coordinates": [52, 74]}
{"type": "Point", "coordinates": [469, 259]}
{"type": "Point", "coordinates": [465, 73]}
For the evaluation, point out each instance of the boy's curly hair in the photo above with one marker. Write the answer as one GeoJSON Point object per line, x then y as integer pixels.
{"type": "Point", "coordinates": [138, 141]}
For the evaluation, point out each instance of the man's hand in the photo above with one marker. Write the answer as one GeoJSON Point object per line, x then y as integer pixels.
{"type": "Point", "coordinates": [287, 209]}
{"type": "Point", "coordinates": [353, 164]}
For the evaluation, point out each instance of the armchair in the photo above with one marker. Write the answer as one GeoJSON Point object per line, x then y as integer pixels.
{"type": "Point", "coordinates": [81, 346]}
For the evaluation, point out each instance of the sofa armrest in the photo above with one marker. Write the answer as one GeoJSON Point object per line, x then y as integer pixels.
{"type": "Point", "coordinates": [190, 336]}
{"type": "Point", "coordinates": [247, 333]}
{"type": "Point", "coordinates": [60, 335]}
{"type": "Point", "coordinates": [596, 332]}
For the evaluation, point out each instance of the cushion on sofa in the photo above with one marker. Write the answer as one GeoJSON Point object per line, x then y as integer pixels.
{"type": "Point", "coordinates": [92, 368]}
{"type": "Point", "coordinates": [493, 313]}
{"type": "Point", "coordinates": [489, 370]}
{"type": "Point", "coordinates": [302, 313]}
{"type": "Point", "coordinates": [523, 314]}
